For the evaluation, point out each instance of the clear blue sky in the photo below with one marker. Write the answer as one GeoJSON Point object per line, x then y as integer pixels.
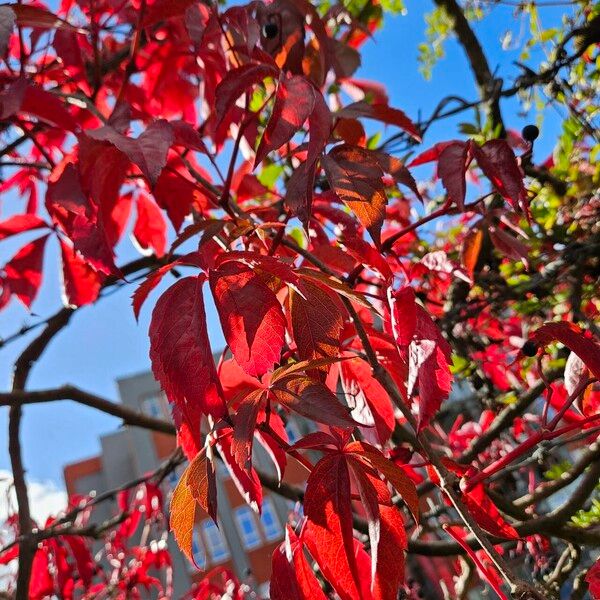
{"type": "Point", "coordinates": [104, 342]}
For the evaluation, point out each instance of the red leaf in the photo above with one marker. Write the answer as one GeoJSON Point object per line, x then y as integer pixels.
{"type": "Point", "coordinates": [392, 549]}
{"type": "Point", "coordinates": [432, 154]}
{"type": "Point", "coordinates": [572, 336]}
{"type": "Point", "coordinates": [29, 15]}
{"type": "Point", "coordinates": [246, 481]}
{"type": "Point", "coordinates": [299, 191]}
{"type": "Point", "coordinates": [81, 282]}
{"type": "Point", "coordinates": [9, 555]}
{"type": "Point", "coordinates": [164, 9]}
{"type": "Point", "coordinates": [244, 423]}
{"type": "Point", "coordinates": [47, 107]}
{"type": "Point", "coordinates": [150, 229]}
{"type": "Point", "coordinates": [429, 358]}
{"type": "Point", "coordinates": [317, 321]}
{"type": "Point", "coordinates": [329, 526]}
{"type": "Point", "coordinates": [236, 82]}
{"type": "Point", "coordinates": [20, 223]}
{"type": "Point", "coordinates": [500, 166]}
{"type": "Point", "coordinates": [486, 514]}
{"type": "Point", "coordinates": [355, 176]}
{"type": "Point", "coordinates": [488, 573]}
{"type": "Point", "coordinates": [148, 151]}
{"type": "Point", "coordinates": [509, 245]}
{"type": "Point", "coordinates": [294, 102]}
{"type": "Point", "coordinates": [381, 112]}
{"type": "Point", "coordinates": [251, 317]}
{"type": "Point", "coordinates": [367, 393]}
{"type": "Point", "coordinates": [181, 356]}
{"type": "Point", "coordinates": [319, 123]}
{"type": "Point", "coordinates": [452, 167]}
{"type": "Point", "coordinates": [23, 274]}
{"type": "Point", "coordinates": [313, 400]}
{"type": "Point", "coordinates": [393, 473]}
{"type": "Point", "coordinates": [403, 309]}
{"type": "Point", "coordinates": [151, 281]}
{"type": "Point", "coordinates": [292, 578]}
{"type": "Point", "coordinates": [593, 580]}
{"type": "Point", "coordinates": [369, 502]}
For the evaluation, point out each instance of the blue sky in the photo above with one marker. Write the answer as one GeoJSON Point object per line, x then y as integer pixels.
{"type": "Point", "coordinates": [104, 342]}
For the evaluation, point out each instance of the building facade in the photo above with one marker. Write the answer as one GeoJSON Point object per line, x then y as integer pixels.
{"type": "Point", "coordinates": [243, 542]}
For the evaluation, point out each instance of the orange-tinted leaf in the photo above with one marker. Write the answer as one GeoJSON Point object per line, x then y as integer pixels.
{"type": "Point", "coordinates": [200, 479]}
{"type": "Point", "coordinates": [183, 515]}
{"type": "Point", "coordinates": [355, 176]}
{"type": "Point", "coordinates": [471, 247]}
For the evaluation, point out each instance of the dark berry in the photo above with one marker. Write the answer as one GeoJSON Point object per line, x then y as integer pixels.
{"type": "Point", "coordinates": [529, 348]}
{"type": "Point", "coordinates": [270, 30]}
{"type": "Point", "coordinates": [530, 133]}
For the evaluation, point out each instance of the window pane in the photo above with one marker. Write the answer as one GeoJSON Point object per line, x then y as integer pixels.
{"type": "Point", "coordinates": [215, 542]}
{"type": "Point", "coordinates": [247, 527]}
{"type": "Point", "coordinates": [270, 520]}
{"type": "Point", "coordinates": [293, 431]}
{"type": "Point", "coordinates": [198, 550]}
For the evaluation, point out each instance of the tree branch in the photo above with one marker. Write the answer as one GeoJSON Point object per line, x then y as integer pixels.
{"type": "Point", "coordinates": [69, 392]}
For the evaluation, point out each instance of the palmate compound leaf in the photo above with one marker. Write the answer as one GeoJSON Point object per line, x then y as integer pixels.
{"type": "Point", "coordinates": [182, 359]}
{"type": "Point", "coordinates": [328, 532]}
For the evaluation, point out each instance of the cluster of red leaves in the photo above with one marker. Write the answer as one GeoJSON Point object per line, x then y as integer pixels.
{"type": "Point", "coordinates": [64, 566]}
{"type": "Point", "coordinates": [271, 79]}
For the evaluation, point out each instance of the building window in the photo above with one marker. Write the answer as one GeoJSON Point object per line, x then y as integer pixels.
{"type": "Point", "coordinates": [270, 521]}
{"type": "Point", "coordinates": [221, 469]}
{"type": "Point", "coordinates": [154, 406]}
{"type": "Point", "coordinates": [215, 542]}
{"type": "Point", "coordinates": [293, 431]}
{"type": "Point", "coordinates": [198, 550]}
{"type": "Point", "coordinates": [247, 527]}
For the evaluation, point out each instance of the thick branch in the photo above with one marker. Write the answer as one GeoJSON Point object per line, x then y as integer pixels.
{"type": "Point", "coordinates": [477, 59]}
{"type": "Point", "coordinates": [69, 392]}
